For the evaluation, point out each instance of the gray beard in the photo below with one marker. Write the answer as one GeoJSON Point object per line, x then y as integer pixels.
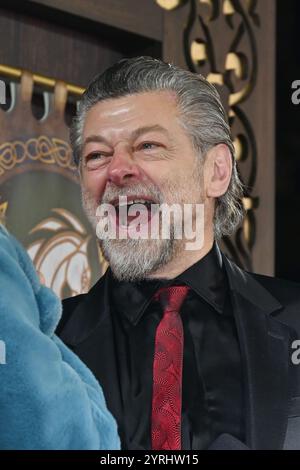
{"type": "Point", "coordinates": [135, 260]}
{"type": "Point", "coordinates": [130, 259]}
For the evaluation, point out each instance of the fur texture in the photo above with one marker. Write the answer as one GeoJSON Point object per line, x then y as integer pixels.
{"type": "Point", "coordinates": [48, 398]}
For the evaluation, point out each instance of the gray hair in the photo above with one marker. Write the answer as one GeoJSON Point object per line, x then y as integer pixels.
{"type": "Point", "coordinates": [202, 116]}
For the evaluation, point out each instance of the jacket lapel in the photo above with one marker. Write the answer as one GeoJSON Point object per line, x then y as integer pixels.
{"type": "Point", "coordinates": [89, 333]}
{"type": "Point", "coordinates": [264, 344]}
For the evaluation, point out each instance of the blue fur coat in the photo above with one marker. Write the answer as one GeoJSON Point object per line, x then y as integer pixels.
{"type": "Point", "coordinates": [48, 398]}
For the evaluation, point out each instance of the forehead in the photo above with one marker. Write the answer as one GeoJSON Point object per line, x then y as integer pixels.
{"type": "Point", "coordinates": [126, 111]}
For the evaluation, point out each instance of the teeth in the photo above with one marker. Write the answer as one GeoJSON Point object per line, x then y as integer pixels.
{"type": "Point", "coordinates": [135, 201]}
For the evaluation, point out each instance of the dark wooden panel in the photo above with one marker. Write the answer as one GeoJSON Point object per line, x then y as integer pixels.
{"type": "Point", "coordinates": [51, 50]}
{"type": "Point", "coordinates": [174, 22]}
{"type": "Point", "coordinates": [262, 112]}
{"type": "Point", "coordinates": [62, 46]}
{"type": "Point", "coordinates": [142, 17]}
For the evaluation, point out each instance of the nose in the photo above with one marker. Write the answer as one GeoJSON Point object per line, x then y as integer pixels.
{"type": "Point", "coordinates": [123, 168]}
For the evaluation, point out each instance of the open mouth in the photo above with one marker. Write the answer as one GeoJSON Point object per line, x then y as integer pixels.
{"type": "Point", "coordinates": [133, 210]}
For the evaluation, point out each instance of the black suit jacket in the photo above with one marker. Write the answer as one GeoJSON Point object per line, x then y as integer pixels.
{"type": "Point", "coordinates": [267, 315]}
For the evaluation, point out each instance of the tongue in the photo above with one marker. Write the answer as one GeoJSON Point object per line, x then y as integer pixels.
{"type": "Point", "coordinates": [130, 218]}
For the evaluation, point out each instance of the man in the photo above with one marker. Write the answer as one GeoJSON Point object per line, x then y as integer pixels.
{"type": "Point", "coordinates": [187, 346]}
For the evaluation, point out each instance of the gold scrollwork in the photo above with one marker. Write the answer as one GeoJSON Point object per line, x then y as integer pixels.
{"type": "Point", "coordinates": [169, 4]}
{"type": "Point", "coordinates": [230, 62]}
{"type": "Point", "coordinates": [43, 149]}
{"type": "Point", "coordinates": [198, 51]}
{"type": "Point", "coordinates": [228, 8]}
{"type": "Point", "coordinates": [3, 209]}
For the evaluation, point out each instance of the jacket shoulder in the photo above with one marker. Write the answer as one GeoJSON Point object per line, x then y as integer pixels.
{"type": "Point", "coordinates": [288, 294]}
{"type": "Point", "coordinates": [284, 290]}
{"type": "Point", "coordinates": [69, 306]}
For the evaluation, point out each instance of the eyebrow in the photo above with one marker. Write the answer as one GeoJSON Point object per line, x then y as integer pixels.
{"type": "Point", "coordinates": [134, 135]}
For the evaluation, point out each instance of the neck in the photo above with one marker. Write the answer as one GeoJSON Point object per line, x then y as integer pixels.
{"type": "Point", "coordinates": [182, 261]}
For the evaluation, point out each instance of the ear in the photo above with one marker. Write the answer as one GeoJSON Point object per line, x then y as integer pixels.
{"type": "Point", "coordinates": [218, 170]}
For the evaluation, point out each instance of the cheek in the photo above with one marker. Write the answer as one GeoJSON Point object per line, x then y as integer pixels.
{"type": "Point", "coordinates": [93, 183]}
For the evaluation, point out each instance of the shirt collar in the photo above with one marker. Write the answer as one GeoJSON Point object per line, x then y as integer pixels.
{"type": "Point", "coordinates": [206, 278]}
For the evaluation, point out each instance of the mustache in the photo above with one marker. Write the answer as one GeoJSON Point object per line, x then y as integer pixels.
{"type": "Point", "coordinates": [140, 190]}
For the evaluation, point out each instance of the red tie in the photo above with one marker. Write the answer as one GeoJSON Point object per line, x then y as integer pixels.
{"type": "Point", "coordinates": [167, 371]}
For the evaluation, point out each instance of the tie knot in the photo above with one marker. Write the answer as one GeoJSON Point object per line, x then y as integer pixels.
{"type": "Point", "coordinates": [171, 298]}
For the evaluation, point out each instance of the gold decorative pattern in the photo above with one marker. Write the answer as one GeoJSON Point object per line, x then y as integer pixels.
{"type": "Point", "coordinates": [169, 4]}
{"type": "Point", "coordinates": [228, 8]}
{"type": "Point", "coordinates": [198, 51]}
{"type": "Point", "coordinates": [43, 149]}
{"type": "Point", "coordinates": [34, 140]}
{"type": "Point", "coordinates": [230, 64]}
{"type": "Point", "coordinates": [60, 252]}
{"type": "Point", "coordinates": [3, 209]}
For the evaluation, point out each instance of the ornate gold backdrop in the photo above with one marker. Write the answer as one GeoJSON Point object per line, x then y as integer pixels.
{"type": "Point", "coordinates": [39, 190]}
{"type": "Point", "coordinates": [229, 41]}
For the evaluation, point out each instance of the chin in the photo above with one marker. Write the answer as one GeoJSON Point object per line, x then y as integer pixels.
{"type": "Point", "coordinates": [134, 261]}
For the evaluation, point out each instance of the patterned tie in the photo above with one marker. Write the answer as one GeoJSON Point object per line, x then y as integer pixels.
{"type": "Point", "coordinates": [167, 371]}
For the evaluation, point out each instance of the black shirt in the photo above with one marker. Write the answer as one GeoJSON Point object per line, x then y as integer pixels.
{"type": "Point", "coordinates": [212, 392]}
